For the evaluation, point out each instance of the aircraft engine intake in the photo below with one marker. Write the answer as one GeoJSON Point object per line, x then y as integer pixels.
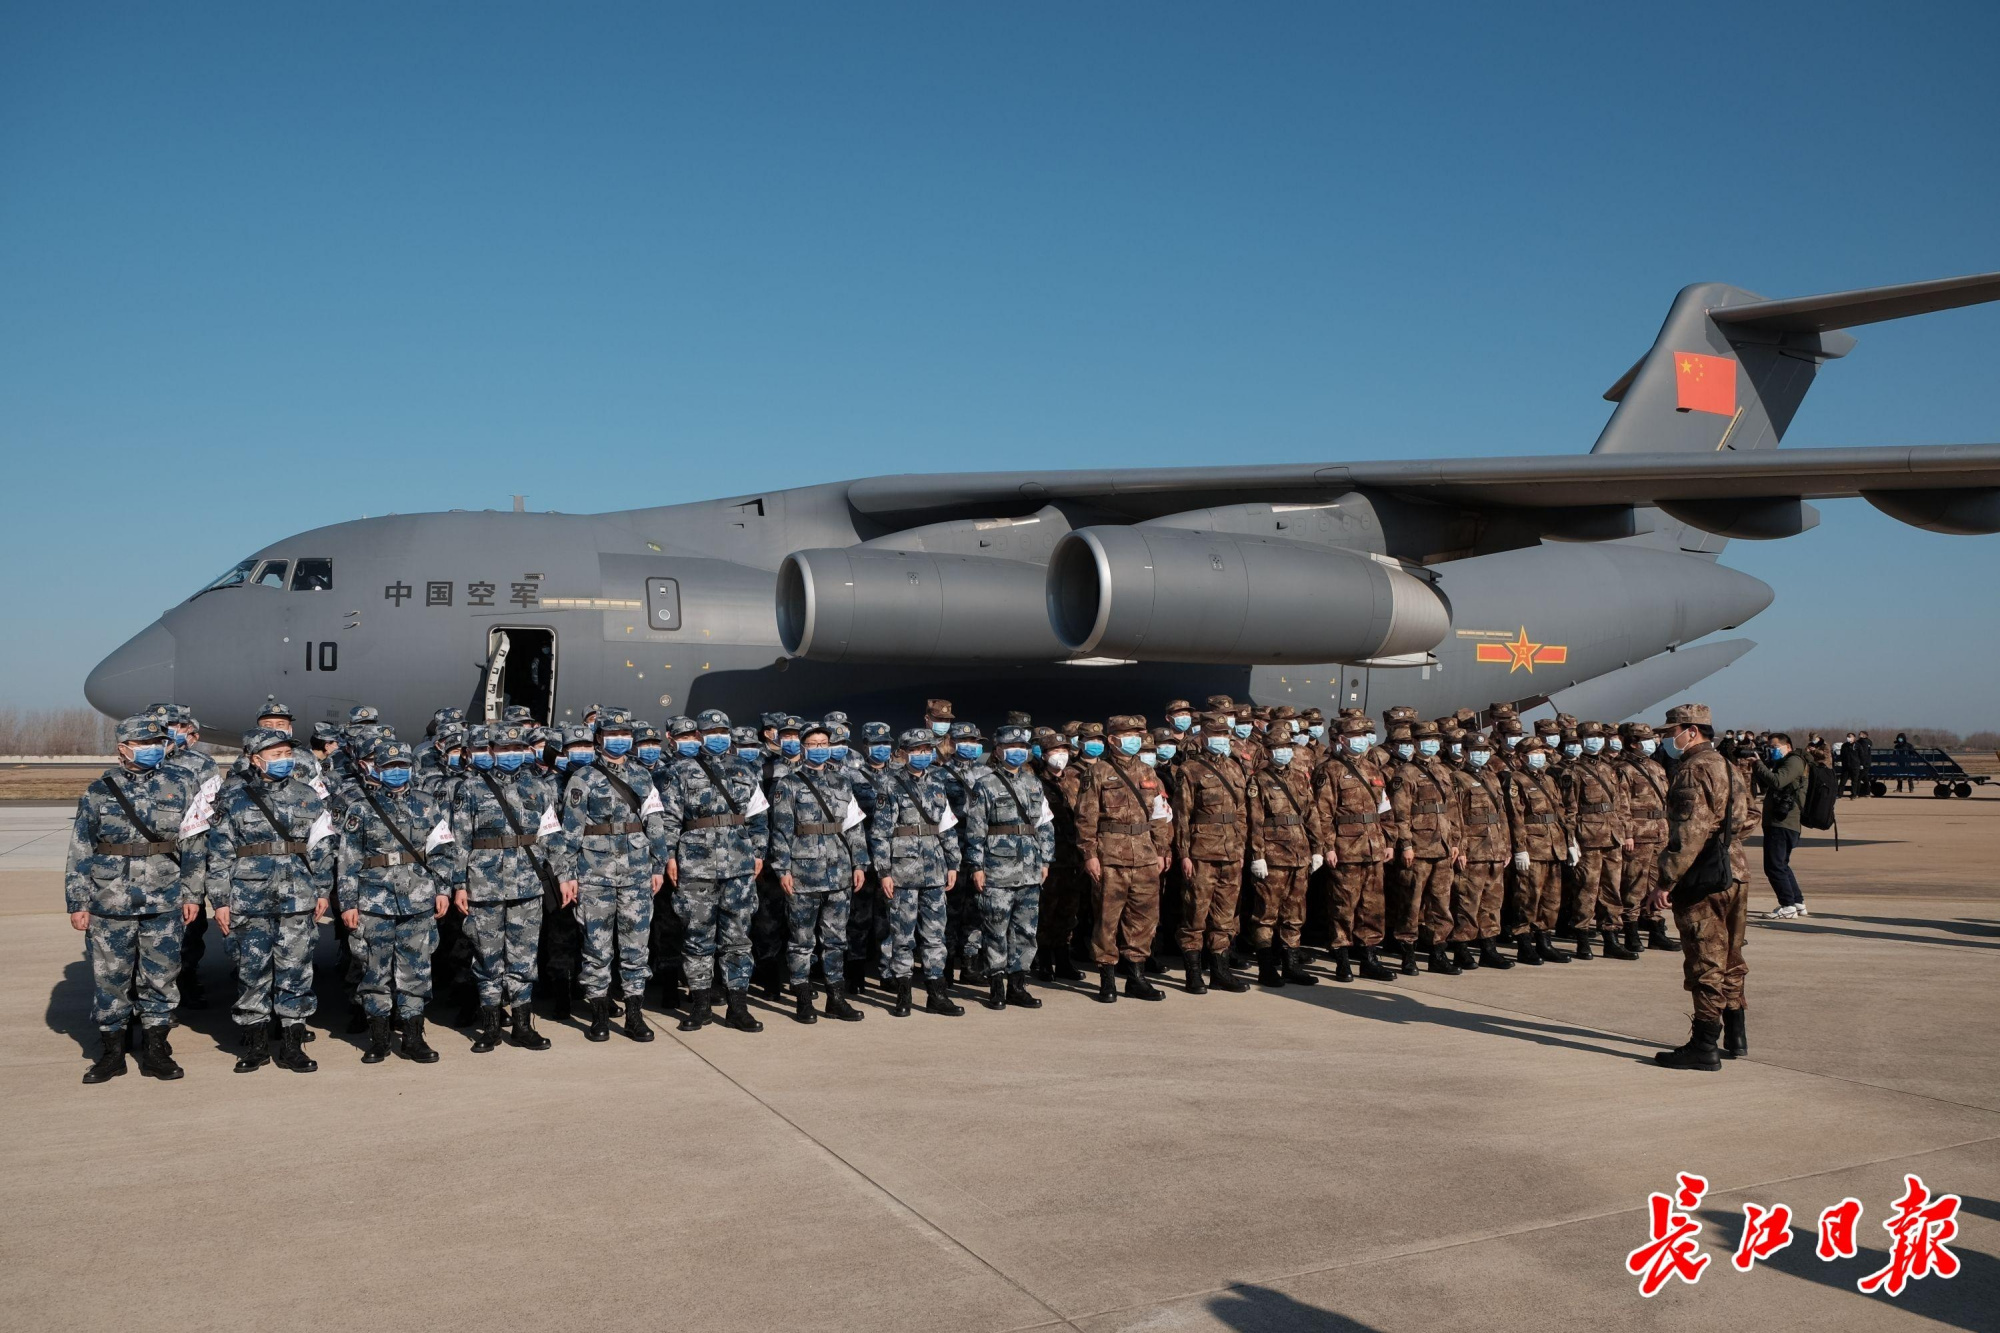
{"type": "Point", "coordinates": [1177, 595]}
{"type": "Point", "coordinates": [864, 604]}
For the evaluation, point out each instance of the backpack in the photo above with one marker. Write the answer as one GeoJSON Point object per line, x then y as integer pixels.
{"type": "Point", "coordinates": [1822, 788]}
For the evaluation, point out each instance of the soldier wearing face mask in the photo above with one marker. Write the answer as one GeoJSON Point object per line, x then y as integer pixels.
{"type": "Point", "coordinates": [502, 814]}
{"type": "Point", "coordinates": [1350, 806]}
{"type": "Point", "coordinates": [716, 825]}
{"type": "Point", "coordinates": [1646, 795]}
{"type": "Point", "coordinates": [1541, 849]}
{"type": "Point", "coordinates": [915, 845]}
{"type": "Point", "coordinates": [1424, 804]}
{"type": "Point", "coordinates": [1125, 827]}
{"type": "Point", "coordinates": [1068, 886]}
{"type": "Point", "coordinates": [1486, 844]}
{"type": "Point", "coordinates": [867, 921]}
{"type": "Point", "coordinates": [819, 850]}
{"type": "Point", "coordinates": [1600, 816]}
{"type": "Point", "coordinates": [1281, 834]}
{"type": "Point", "coordinates": [1210, 828]}
{"type": "Point", "coordinates": [1009, 843]}
{"type": "Point", "coordinates": [959, 760]}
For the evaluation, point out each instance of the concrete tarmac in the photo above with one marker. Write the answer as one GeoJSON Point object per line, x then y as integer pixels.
{"type": "Point", "coordinates": [1467, 1151]}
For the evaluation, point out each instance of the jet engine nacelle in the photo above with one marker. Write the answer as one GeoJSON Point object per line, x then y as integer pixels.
{"type": "Point", "coordinates": [868, 604]}
{"type": "Point", "coordinates": [1167, 594]}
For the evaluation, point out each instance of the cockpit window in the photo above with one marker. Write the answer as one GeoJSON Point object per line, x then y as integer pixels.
{"type": "Point", "coordinates": [237, 575]}
{"type": "Point", "coordinates": [272, 574]}
{"type": "Point", "coordinates": [312, 575]}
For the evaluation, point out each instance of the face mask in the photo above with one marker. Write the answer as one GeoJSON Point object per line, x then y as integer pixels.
{"type": "Point", "coordinates": [618, 745]}
{"type": "Point", "coordinates": [717, 743]}
{"type": "Point", "coordinates": [750, 754]}
{"type": "Point", "coordinates": [1457, 750]}
{"type": "Point", "coordinates": [577, 758]}
{"type": "Point", "coordinates": [1318, 730]}
{"type": "Point", "coordinates": [880, 753]}
{"type": "Point", "coordinates": [969, 750]}
{"type": "Point", "coordinates": [1572, 751]}
{"type": "Point", "coordinates": [1357, 744]}
{"type": "Point", "coordinates": [790, 748]}
{"type": "Point", "coordinates": [940, 728]}
{"type": "Point", "coordinates": [148, 756]}
{"type": "Point", "coordinates": [562, 763]}
{"type": "Point", "coordinates": [1182, 721]}
{"type": "Point", "coordinates": [1093, 748]}
{"type": "Point", "coordinates": [1037, 749]}
{"type": "Point", "coordinates": [1478, 758]}
{"type": "Point", "coordinates": [1242, 730]}
{"type": "Point", "coordinates": [921, 760]}
{"type": "Point", "coordinates": [395, 777]}
{"type": "Point", "coordinates": [181, 740]}
{"type": "Point", "coordinates": [279, 769]}
{"type": "Point", "coordinates": [1150, 758]}
{"type": "Point", "coordinates": [1616, 746]}
{"type": "Point", "coordinates": [818, 754]}
{"type": "Point", "coordinates": [1428, 748]}
{"type": "Point", "coordinates": [1129, 744]}
{"type": "Point", "coordinates": [1776, 755]}
{"type": "Point", "coordinates": [482, 760]}
{"type": "Point", "coordinates": [688, 746]}
{"type": "Point", "coordinates": [1013, 756]}
{"type": "Point", "coordinates": [1537, 759]}
{"type": "Point", "coordinates": [1217, 744]}
{"type": "Point", "coordinates": [1169, 751]}
{"type": "Point", "coordinates": [1673, 749]}
{"type": "Point", "coordinates": [649, 754]}
{"type": "Point", "coordinates": [1593, 744]}
{"type": "Point", "coordinates": [454, 761]}
{"type": "Point", "coordinates": [1405, 750]}
{"type": "Point", "coordinates": [1282, 755]}
{"type": "Point", "coordinates": [1374, 739]}
{"type": "Point", "coordinates": [1058, 760]}
{"type": "Point", "coordinates": [1072, 741]}
{"type": "Point", "coordinates": [1513, 741]}
{"type": "Point", "coordinates": [510, 761]}
{"type": "Point", "coordinates": [840, 754]}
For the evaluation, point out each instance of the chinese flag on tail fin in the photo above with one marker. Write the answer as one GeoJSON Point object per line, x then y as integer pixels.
{"type": "Point", "coordinates": [1705, 383]}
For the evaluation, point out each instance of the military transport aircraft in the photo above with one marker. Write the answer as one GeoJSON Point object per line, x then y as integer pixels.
{"type": "Point", "coordinates": [1438, 583]}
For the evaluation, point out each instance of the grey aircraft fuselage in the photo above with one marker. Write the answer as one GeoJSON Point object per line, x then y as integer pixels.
{"type": "Point", "coordinates": [670, 610]}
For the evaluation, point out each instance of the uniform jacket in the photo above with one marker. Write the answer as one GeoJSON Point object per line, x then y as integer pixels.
{"type": "Point", "coordinates": [394, 885]}
{"type": "Point", "coordinates": [913, 835]}
{"type": "Point", "coordinates": [1697, 804]}
{"type": "Point", "coordinates": [256, 868]}
{"type": "Point", "coordinates": [1424, 801]}
{"type": "Point", "coordinates": [1599, 809]}
{"type": "Point", "coordinates": [813, 842]}
{"type": "Point", "coordinates": [1210, 823]}
{"type": "Point", "coordinates": [495, 864]}
{"type": "Point", "coordinates": [114, 868]}
{"type": "Point", "coordinates": [1349, 803]}
{"type": "Point", "coordinates": [608, 838]}
{"type": "Point", "coordinates": [1122, 814]}
{"type": "Point", "coordinates": [1283, 828]}
{"type": "Point", "coordinates": [1062, 790]}
{"type": "Point", "coordinates": [1010, 832]}
{"type": "Point", "coordinates": [1535, 807]}
{"type": "Point", "coordinates": [1486, 831]}
{"type": "Point", "coordinates": [710, 838]}
{"type": "Point", "coordinates": [1646, 795]}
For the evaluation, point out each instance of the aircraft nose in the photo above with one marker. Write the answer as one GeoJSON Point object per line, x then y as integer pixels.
{"type": "Point", "coordinates": [1740, 597]}
{"type": "Point", "coordinates": [139, 673]}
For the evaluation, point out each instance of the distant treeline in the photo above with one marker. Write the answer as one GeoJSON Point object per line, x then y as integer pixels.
{"type": "Point", "coordinates": [55, 731]}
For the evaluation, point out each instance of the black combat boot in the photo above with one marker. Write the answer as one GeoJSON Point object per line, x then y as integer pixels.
{"type": "Point", "coordinates": [1066, 968]}
{"type": "Point", "coordinates": [1408, 949]}
{"type": "Point", "coordinates": [1343, 966]}
{"type": "Point", "coordinates": [974, 972]}
{"type": "Point", "coordinates": [1545, 947]}
{"type": "Point", "coordinates": [1441, 962]}
{"type": "Point", "coordinates": [155, 1060]}
{"type": "Point", "coordinates": [524, 1034]}
{"type": "Point", "coordinates": [256, 1048]}
{"type": "Point", "coordinates": [1139, 988]}
{"type": "Point", "coordinates": [1153, 967]}
{"type": "Point", "coordinates": [737, 1015]}
{"type": "Point", "coordinates": [292, 1050]}
{"type": "Point", "coordinates": [804, 1011]}
{"type": "Point", "coordinates": [414, 1046]}
{"type": "Point", "coordinates": [938, 998]}
{"type": "Point", "coordinates": [636, 1026]}
{"type": "Point", "coordinates": [1614, 949]}
{"type": "Point", "coordinates": [1018, 994]}
{"type": "Point", "coordinates": [1045, 968]}
{"type": "Point", "coordinates": [1735, 1037]}
{"type": "Point", "coordinates": [1656, 935]}
{"type": "Point", "coordinates": [901, 1008]}
{"type": "Point", "coordinates": [110, 1061]}
{"type": "Point", "coordinates": [378, 1040]}
{"type": "Point", "coordinates": [1293, 963]}
{"type": "Point", "coordinates": [357, 1017]}
{"type": "Point", "coordinates": [1222, 976]}
{"type": "Point", "coordinates": [837, 1006]}
{"type": "Point", "coordinates": [1462, 954]}
{"type": "Point", "coordinates": [996, 993]}
{"type": "Point", "coordinates": [1529, 950]}
{"type": "Point", "coordinates": [1635, 944]}
{"type": "Point", "coordinates": [1698, 1053]}
{"type": "Point", "coordinates": [600, 1020]}
{"type": "Point", "coordinates": [1371, 965]}
{"type": "Point", "coordinates": [698, 1015]}
{"type": "Point", "coordinates": [486, 1035]}
{"type": "Point", "coordinates": [1196, 985]}
{"type": "Point", "coordinates": [1107, 985]}
{"type": "Point", "coordinates": [1583, 953]}
{"type": "Point", "coordinates": [1269, 971]}
{"type": "Point", "coordinates": [1490, 955]}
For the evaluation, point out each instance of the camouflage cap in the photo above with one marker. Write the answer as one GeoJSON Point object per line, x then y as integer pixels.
{"type": "Point", "coordinates": [812, 728]}
{"type": "Point", "coordinates": [141, 727]}
{"type": "Point", "coordinates": [1399, 733]}
{"type": "Point", "coordinates": [362, 715]}
{"type": "Point", "coordinates": [745, 738]}
{"type": "Point", "coordinates": [1221, 703]}
{"type": "Point", "coordinates": [1478, 740]}
{"type": "Point", "coordinates": [1590, 729]}
{"type": "Point", "coordinates": [714, 719]}
{"type": "Point", "coordinates": [478, 735]}
{"type": "Point", "coordinates": [579, 735]}
{"type": "Point", "coordinates": [1400, 713]}
{"type": "Point", "coordinates": [1688, 715]}
{"type": "Point", "coordinates": [1086, 731]}
{"type": "Point", "coordinates": [1567, 721]}
{"type": "Point", "coordinates": [1467, 718]}
{"type": "Point", "coordinates": [643, 732]}
{"type": "Point", "coordinates": [964, 731]}
{"type": "Point", "coordinates": [272, 708]}
{"type": "Point", "coordinates": [389, 751]}
{"type": "Point", "coordinates": [1548, 726]}
{"type": "Point", "coordinates": [1425, 731]}
{"type": "Point", "coordinates": [1284, 713]}
{"type": "Point", "coordinates": [937, 710]}
{"type": "Point", "coordinates": [1636, 731]}
{"type": "Point", "coordinates": [918, 738]}
{"type": "Point", "coordinates": [1165, 736]}
{"type": "Point", "coordinates": [1281, 732]}
{"type": "Point", "coordinates": [770, 721]}
{"type": "Point", "coordinates": [327, 733]}
{"type": "Point", "coordinates": [450, 735]}
{"type": "Point", "coordinates": [1509, 726]}
{"type": "Point", "coordinates": [1530, 744]}
{"type": "Point", "coordinates": [792, 722]}
{"type": "Point", "coordinates": [546, 736]}
{"type": "Point", "coordinates": [836, 718]}
{"type": "Point", "coordinates": [1498, 711]}
{"type": "Point", "coordinates": [1013, 734]}
{"type": "Point", "coordinates": [1069, 727]}
{"type": "Point", "coordinates": [1124, 722]}
{"type": "Point", "coordinates": [877, 733]}
{"type": "Point", "coordinates": [1177, 706]}
{"type": "Point", "coordinates": [1016, 718]}
{"type": "Point", "coordinates": [613, 719]}
{"type": "Point", "coordinates": [682, 726]}
{"type": "Point", "coordinates": [1312, 715]}
{"type": "Point", "coordinates": [1355, 726]}
{"type": "Point", "coordinates": [519, 713]}
{"type": "Point", "coordinates": [510, 733]}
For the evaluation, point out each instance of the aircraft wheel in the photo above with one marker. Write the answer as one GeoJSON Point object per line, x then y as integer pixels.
{"type": "Point", "coordinates": [1963, 791]}
{"type": "Point", "coordinates": [1879, 788]}
{"type": "Point", "coordinates": [1942, 791]}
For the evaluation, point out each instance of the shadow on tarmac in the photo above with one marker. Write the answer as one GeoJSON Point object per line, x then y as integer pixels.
{"type": "Point", "coordinates": [1250, 1309]}
{"type": "Point", "coordinates": [1966, 1300]}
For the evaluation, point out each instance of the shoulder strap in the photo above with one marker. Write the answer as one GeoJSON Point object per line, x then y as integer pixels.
{"type": "Point", "coordinates": [270, 815]}
{"type": "Point", "coordinates": [506, 810]}
{"type": "Point", "coordinates": [1130, 785]}
{"type": "Point", "coordinates": [1279, 782]}
{"type": "Point", "coordinates": [1020, 802]}
{"type": "Point", "coordinates": [903, 781]}
{"type": "Point", "coordinates": [813, 787]}
{"type": "Point", "coordinates": [618, 785]}
{"type": "Point", "coordinates": [395, 832]}
{"type": "Point", "coordinates": [720, 783]}
{"type": "Point", "coordinates": [125, 804]}
{"type": "Point", "coordinates": [1202, 759]}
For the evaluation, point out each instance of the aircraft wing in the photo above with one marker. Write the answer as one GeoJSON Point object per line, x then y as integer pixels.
{"type": "Point", "coordinates": [1536, 482]}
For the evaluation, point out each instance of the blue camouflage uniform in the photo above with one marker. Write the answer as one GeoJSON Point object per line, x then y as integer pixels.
{"type": "Point", "coordinates": [869, 918]}
{"type": "Point", "coordinates": [913, 840]}
{"type": "Point", "coordinates": [202, 776]}
{"type": "Point", "coordinates": [717, 823]}
{"type": "Point", "coordinates": [498, 819]}
{"type": "Point", "coordinates": [818, 838]}
{"type": "Point", "coordinates": [613, 842]}
{"type": "Point", "coordinates": [133, 881]}
{"type": "Point", "coordinates": [271, 855]}
{"type": "Point", "coordinates": [397, 895]}
{"type": "Point", "coordinates": [1010, 835]}
{"type": "Point", "coordinates": [960, 758]}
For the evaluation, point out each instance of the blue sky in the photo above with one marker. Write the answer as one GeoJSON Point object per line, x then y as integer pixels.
{"type": "Point", "coordinates": [264, 267]}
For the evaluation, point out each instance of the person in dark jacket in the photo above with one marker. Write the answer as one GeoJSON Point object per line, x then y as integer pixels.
{"type": "Point", "coordinates": [1780, 776]}
{"type": "Point", "coordinates": [1864, 750]}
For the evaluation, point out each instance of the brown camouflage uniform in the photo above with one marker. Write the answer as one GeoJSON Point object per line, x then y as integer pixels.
{"type": "Point", "coordinates": [1712, 927]}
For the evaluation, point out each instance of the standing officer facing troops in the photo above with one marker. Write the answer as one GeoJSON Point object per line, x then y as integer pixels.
{"type": "Point", "coordinates": [1009, 844]}
{"type": "Point", "coordinates": [819, 852]}
{"type": "Point", "coordinates": [270, 875]}
{"type": "Point", "coordinates": [1705, 876]}
{"type": "Point", "coordinates": [500, 815]}
{"type": "Point", "coordinates": [126, 885]}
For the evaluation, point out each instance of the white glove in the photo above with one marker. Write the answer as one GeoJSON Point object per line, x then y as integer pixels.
{"type": "Point", "coordinates": [1318, 861]}
{"type": "Point", "coordinates": [1574, 854]}
{"type": "Point", "coordinates": [1259, 869]}
{"type": "Point", "coordinates": [1521, 862]}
